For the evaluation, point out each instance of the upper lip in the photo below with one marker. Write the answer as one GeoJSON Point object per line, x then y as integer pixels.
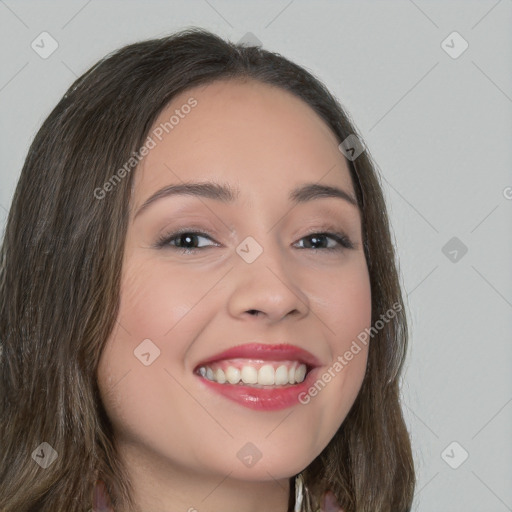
{"type": "Point", "coordinates": [264, 351]}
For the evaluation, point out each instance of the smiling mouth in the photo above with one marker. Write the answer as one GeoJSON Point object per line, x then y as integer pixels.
{"type": "Point", "coordinates": [255, 373]}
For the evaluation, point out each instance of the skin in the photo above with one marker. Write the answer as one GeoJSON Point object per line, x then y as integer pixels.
{"type": "Point", "coordinates": [178, 439]}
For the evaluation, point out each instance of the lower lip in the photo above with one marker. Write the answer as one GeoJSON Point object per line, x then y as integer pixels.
{"type": "Point", "coordinates": [263, 399]}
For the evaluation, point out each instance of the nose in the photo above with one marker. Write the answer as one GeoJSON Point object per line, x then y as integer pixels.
{"type": "Point", "coordinates": [267, 288]}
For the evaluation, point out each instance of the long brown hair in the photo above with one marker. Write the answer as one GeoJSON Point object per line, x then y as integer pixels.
{"type": "Point", "coordinates": [60, 274]}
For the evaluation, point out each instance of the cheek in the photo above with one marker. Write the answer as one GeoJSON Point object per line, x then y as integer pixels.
{"type": "Point", "coordinates": [352, 307]}
{"type": "Point", "coordinates": [163, 306]}
{"type": "Point", "coordinates": [353, 317]}
{"type": "Point", "coordinates": [157, 307]}
{"type": "Point", "coordinates": [155, 298]}
{"type": "Point", "coordinates": [344, 306]}
{"type": "Point", "coordinates": [343, 302]}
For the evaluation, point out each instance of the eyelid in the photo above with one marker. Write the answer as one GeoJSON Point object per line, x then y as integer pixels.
{"type": "Point", "coordinates": [329, 228]}
{"type": "Point", "coordinates": [343, 241]}
{"type": "Point", "coordinates": [166, 236]}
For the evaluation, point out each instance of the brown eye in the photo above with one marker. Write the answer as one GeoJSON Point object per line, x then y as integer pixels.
{"type": "Point", "coordinates": [185, 240]}
{"type": "Point", "coordinates": [341, 241]}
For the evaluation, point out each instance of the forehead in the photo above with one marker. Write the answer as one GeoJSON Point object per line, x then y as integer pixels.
{"type": "Point", "coordinates": [260, 137]}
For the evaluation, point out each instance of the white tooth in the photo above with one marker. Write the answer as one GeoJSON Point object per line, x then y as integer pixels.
{"type": "Point", "coordinates": [300, 373]}
{"type": "Point", "coordinates": [209, 373]}
{"type": "Point", "coordinates": [249, 375]}
{"type": "Point", "coordinates": [220, 377]}
{"type": "Point", "coordinates": [281, 375]}
{"type": "Point", "coordinates": [266, 375]}
{"type": "Point", "coordinates": [202, 371]}
{"type": "Point", "coordinates": [291, 374]}
{"type": "Point", "coordinates": [233, 375]}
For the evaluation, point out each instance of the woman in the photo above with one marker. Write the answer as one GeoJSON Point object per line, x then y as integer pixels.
{"type": "Point", "coordinates": [255, 370]}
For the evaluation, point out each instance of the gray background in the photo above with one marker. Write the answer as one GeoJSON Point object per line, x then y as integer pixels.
{"type": "Point", "coordinates": [439, 129]}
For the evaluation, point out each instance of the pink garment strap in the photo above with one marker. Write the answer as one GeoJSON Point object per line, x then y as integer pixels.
{"type": "Point", "coordinates": [101, 501]}
{"type": "Point", "coordinates": [329, 503]}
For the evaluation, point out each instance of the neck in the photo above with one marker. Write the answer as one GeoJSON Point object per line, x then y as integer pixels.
{"type": "Point", "coordinates": [159, 488]}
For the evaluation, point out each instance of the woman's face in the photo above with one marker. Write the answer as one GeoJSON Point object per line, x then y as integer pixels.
{"type": "Point", "coordinates": [262, 250]}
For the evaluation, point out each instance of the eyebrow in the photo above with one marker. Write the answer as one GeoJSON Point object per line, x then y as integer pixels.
{"type": "Point", "coordinates": [228, 194]}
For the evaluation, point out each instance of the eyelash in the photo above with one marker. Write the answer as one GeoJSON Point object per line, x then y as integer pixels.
{"type": "Point", "coordinates": [342, 240]}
